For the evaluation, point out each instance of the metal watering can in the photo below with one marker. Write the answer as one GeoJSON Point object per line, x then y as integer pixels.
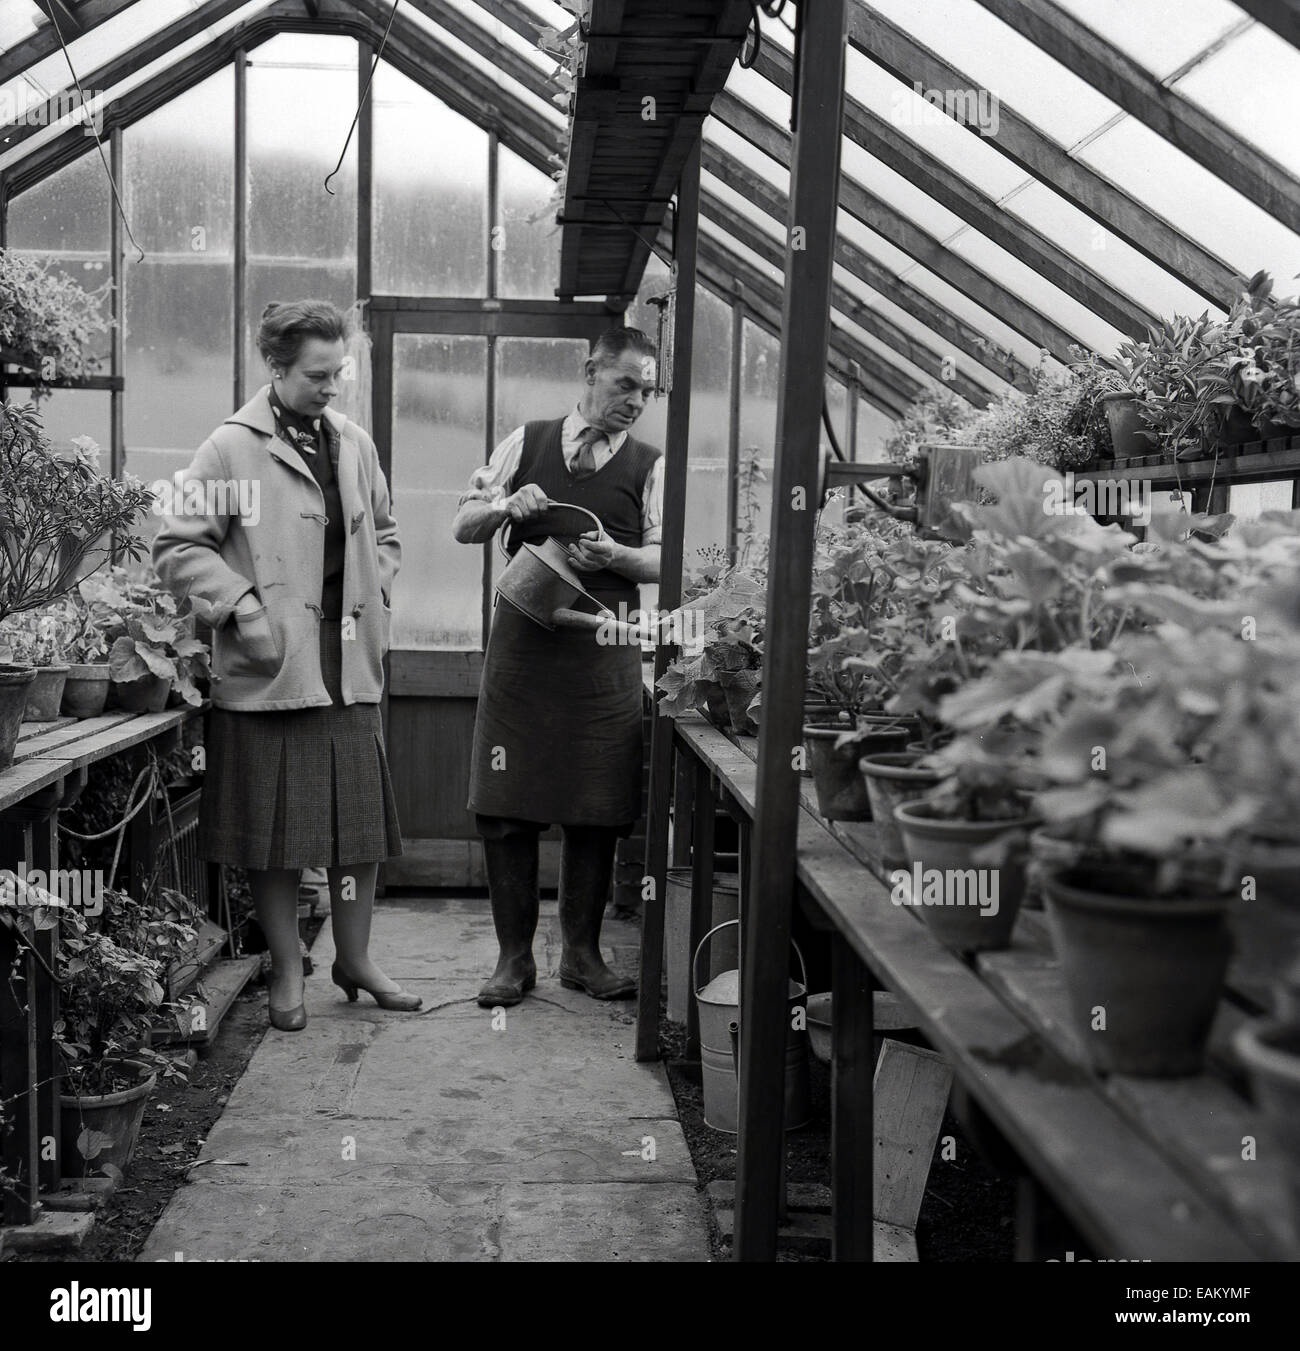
{"type": "Point", "coordinates": [540, 583]}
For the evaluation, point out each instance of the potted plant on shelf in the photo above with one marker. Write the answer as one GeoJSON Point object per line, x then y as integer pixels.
{"type": "Point", "coordinates": [86, 691]}
{"type": "Point", "coordinates": [56, 510]}
{"type": "Point", "coordinates": [40, 639]}
{"type": "Point", "coordinates": [46, 320]}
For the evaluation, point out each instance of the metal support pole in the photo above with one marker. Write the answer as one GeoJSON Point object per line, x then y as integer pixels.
{"type": "Point", "coordinates": [117, 359]}
{"type": "Point", "coordinates": [670, 597]}
{"type": "Point", "coordinates": [365, 175]}
{"type": "Point", "coordinates": [805, 333]}
{"type": "Point", "coordinates": [854, 392]}
{"type": "Point", "coordinates": [241, 223]}
{"type": "Point", "coordinates": [733, 415]}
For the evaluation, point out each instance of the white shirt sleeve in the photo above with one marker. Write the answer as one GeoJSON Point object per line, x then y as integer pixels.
{"type": "Point", "coordinates": [495, 481]}
{"type": "Point", "coordinates": [652, 504]}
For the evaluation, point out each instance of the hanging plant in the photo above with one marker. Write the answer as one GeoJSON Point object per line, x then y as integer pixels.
{"type": "Point", "coordinates": [47, 321]}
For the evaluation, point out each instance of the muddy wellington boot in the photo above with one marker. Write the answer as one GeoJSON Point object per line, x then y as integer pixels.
{"type": "Point", "coordinates": [512, 882]}
{"type": "Point", "coordinates": [586, 868]}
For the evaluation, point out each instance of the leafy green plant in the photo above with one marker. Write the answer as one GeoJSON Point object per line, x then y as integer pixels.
{"type": "Point", "coordinates": [47, 320]}
{"type": "Point", "coordinates": [56, 509]}
{"type": "Point", "coordinates": [42, 637]}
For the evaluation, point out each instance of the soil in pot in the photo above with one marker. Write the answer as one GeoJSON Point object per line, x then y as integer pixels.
{"type": "Point", "coordinates": [14, 684]}
{"type": "Point", "coordinates": [86, 691]}
{"type": "Point", "coordinates": [1143, 975]}
{"type": "Point", "coordinates": [892, 779]}
{"type": "Point", "coordinates": [45, 694]}
{"type": "Point", "coordinates": [1271, 1055]}
{"type": "Point", "coordinates": [105, 1126]}
{"type": "Point", "coordinates": [146, 695]}
{"type": "Point", "coordinates": [841, 789]}
{"type": "Point", "coordinates": [970, 906]}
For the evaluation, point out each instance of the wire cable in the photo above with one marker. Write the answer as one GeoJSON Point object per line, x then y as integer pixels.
{"type": "Point", "coordinates": [361, 102]}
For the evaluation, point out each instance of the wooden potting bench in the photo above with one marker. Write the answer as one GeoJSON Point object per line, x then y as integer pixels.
{"type": "Point", "coordinates": [1135, 1169]}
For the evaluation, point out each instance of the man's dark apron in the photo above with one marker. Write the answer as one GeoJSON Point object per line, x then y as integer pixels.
{"type": "Point", "coordinates": [557, 736]}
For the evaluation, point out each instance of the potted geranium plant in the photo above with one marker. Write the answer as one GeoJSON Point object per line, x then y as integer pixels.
{"type": "Point", "coordinates": [57, 514]}
{"type": "Point", "coordinates": [86, 691]}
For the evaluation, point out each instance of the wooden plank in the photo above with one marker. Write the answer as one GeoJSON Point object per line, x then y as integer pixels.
{"type": "Point", "coordinates": [221, 986]}
{"type": "Point", "coordinates": [701, 920]}
{"type": "Point", "coordinates": [438, 675]}
{"type": "Point", "coordinates": [894, 49]}
{"type": "Point", "coordinates": [1282, 16]}
{"type": "Point", "coordinates": [911, 1094]}
{"type": "Point", "coordinates": [45, 42]}
{"type": "Point", "coordinates": [805, 338]}
{"type": "Point", "coordinates": [1251, 467]}
{"type": "Point", "coordinates": [1129, 85]}
{"type": "Point", "coordinates": [47, 737]}
{"type": "Point", "coordinates": [20, 781]}
{"type": "Point", "coordinates": [139, 728]}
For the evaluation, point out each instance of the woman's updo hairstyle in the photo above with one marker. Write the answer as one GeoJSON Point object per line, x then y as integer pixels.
{"type": "Point", "coordinates": [284, 329]}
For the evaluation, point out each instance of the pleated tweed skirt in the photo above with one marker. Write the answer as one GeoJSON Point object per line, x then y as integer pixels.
{"type": "Point", "coordinates": [303, 788]}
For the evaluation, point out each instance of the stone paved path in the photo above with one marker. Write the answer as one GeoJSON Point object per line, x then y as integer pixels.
{"type": "Point", "coordinates": [437, 1136]}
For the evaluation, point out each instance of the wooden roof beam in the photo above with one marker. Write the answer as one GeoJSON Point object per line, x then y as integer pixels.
{"type": "Point", "coordinates": [1130, 86]}
{"type": "Point", "coordinates": [912, 161]}
{"type": "Point", "coordinates": [896, 51]}
{"type": "Point", "coordinates": [1282, 16]}
{"type": "Point", "coordinates": [762, 133]}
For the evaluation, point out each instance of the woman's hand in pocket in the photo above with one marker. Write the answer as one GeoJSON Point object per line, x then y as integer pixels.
{"type": "Point", "coordinates": [254, 639]}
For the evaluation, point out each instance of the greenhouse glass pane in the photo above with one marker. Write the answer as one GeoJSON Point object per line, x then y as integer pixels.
{"type": "Point", "coordinates": [653, 423]}
{"type": "Point", "coordinates": [528, 247]}
{"type": "Point", "coordinates": [19, 19]}
{"type": "Point", "coordinates": [1145, 33]}
{"type": "Point", "coordinates": [1248, 500]}
{"type": "Point", "coordinates": [1194, 200]}
{"type": "Point", "coordinates": [439, 416]}
{"type": "Point", "coordinates": [66, 413]}
{"type": "Point", "coordinates": [892, 359]}
{"type": "Point", "coordinates": [706, 465]}
{"type": "Point", "coordinates": [1000, 62]}
{"type": "Point", "coordinates": [63, 223]}
{"type": "Point", "coordinates": [302, 92]}
{"type": "Point", "coordinates": [733, 204]}
{"type": "Point", "coordinates": [549, 13]}
{"type": "Point", "coordinates": [179, 165]}
{"type": "Point", "coordinates": [179, 168]}
{"type": "Point", "coordinates": [1244, 85]}
{"type": "Point", "coordinates": [537, 378]}
{"type": "Point", "coordinates": [759, 384]}
{"type": "Point", "coordinates": [754, 160]}
{"type": "Point", "coordinates": [502, 32]}
{"type": "Point", "coordinates": [761, 94]}
{"type": "Point", "coordinates": [1109, 257]}
{"type": "Point", "coordinates": [875, 427]}
{"type": "Point", "coordinates": [430, 194]}
{"type": "Point", "coordinates": [761, 265]}
{"type": "Point", "coordinates": [282, 281]}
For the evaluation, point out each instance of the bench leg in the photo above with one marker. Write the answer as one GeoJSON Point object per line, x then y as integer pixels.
{"type": "Point", "coordinates": [851, 1106]}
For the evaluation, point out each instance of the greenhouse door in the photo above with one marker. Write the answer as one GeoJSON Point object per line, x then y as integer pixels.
{"type": "Point", "coordinates": [451, 378]}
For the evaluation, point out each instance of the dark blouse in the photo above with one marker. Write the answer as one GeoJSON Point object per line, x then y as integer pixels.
{"type": "Point", "coordinates": [318, 443]}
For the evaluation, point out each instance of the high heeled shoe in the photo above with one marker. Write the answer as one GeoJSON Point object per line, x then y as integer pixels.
{"type": "Point", "coordinates": [395, 1001]}
{"type": "Point", "coordinates": [288, 1020]}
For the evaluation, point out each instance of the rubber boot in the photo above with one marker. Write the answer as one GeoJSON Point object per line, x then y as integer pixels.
{"type": "Point", "coordinates": [586, 872]}
{"type": "Point", "coordinates": [512, 883]}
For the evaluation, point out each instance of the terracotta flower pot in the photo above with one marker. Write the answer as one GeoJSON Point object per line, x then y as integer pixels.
{"type": "Point", "coordinates": [86, 691]}
{"type": "Point", "coordinates": [1143, 974]}
{"type": "Point", "coordinates": [146, 695]}
{"type": "Point", "coordinates": [45, 694]}
{"type": "Point", "coordinates": [1271, 1054]}
{"type": "Point", "coordinates": [892, 779]}
{"type": "Point", "coordinates": [841, 789]}
{"type": "Point", "coordinates": [115, 1116]}
{"type": "Point", "coordinates": [14, 684]}
{"type": "Point", "coordinates": [1127, 436]}
{"type": "Point", "coordinates": [946, 882]}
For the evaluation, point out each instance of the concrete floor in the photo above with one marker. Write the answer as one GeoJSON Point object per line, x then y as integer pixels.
{"type": "Point", "coordinates": [443, 1136]}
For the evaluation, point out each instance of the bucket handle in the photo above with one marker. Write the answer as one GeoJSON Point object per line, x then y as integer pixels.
{"type": "Point", "coordinates": [550, 502]}
{"type": "Point", "coordinates": [727, 923]}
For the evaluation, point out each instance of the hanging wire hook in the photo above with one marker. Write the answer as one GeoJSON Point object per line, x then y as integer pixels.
{"type": "Point", "coordinates": [53, 12]}
{"type": "Point", "coordinates": [361, 103]}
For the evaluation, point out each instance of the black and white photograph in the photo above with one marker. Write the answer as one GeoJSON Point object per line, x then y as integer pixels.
{"type": "Point", "coordinates": [649, 631]}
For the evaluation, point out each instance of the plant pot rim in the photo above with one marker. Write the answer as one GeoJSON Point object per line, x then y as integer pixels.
{"type": "Point", "coordinates": [1058, 891]}
{"type": "Point", "coordinates": [920, 814]}
{"type": "Point", "coordinates": [850, 728]}
{"type": "Point", "coordinates": [98, 667]}
{"type": "Point", "coordinates": [118, 1099]}
{"type": "Point", "coordinates": [54, 668]}
{"type": "Point", "coordinates": [1253, 1044]}
{"type": "Point", "coordinates": [901, 765]}
{"type": "Point", "coordinates": [1118, 394]}
{"type": "Point", "coordinates": [14, 673]}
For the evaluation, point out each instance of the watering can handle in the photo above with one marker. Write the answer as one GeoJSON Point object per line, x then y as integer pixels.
{"type": "Point", "coordinates": [727, 923]}
{"type": "Point", "coordinates": [550, 502]}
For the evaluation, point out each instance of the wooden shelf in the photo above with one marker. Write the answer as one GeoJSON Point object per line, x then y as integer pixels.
{"type": "Point", "coordinates": [1250, 463]}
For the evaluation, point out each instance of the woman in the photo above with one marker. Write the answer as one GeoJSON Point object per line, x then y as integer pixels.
{"type": "Point", "coordinates": [284, 543]}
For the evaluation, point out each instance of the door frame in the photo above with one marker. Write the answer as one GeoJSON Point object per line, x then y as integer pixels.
{"type": "Point", "coordinates": [453, 673]}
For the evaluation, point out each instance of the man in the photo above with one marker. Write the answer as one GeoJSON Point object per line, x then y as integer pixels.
{"type": "Point", "coordinates": [557, 737]}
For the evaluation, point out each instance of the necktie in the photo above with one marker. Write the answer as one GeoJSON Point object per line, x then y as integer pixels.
{"type": "Point", "coordinates": [584, 462]}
